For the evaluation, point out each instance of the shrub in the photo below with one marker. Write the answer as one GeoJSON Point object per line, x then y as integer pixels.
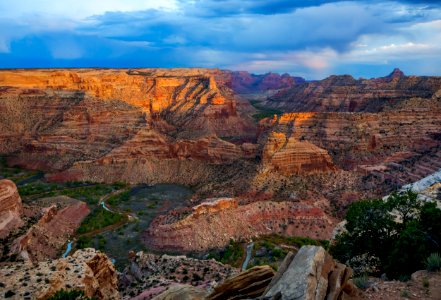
{"type": "Point", "coordinates": [361, 282]}
{"type": "Point", "coordinates": [401, 232]}
{"type": "Point", "coordinates": [433, 262]}
{"type": "Point", "coordinates": [405, 293]}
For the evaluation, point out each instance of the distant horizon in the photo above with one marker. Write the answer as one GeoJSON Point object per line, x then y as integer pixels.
{"type": "Point", "coordinates": [311, 39]}
{"type": "Point", "coordinates": [222, 69]}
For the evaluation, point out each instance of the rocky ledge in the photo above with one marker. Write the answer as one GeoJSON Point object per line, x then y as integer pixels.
{"type": "Point", "coordinates": [87, 270]}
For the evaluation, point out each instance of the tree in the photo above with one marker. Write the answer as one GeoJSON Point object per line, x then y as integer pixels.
{"type": "Point", "coordinates": [401, 244]}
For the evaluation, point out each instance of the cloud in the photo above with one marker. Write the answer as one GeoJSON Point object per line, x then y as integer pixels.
{"type": "Point", "coordinates": [313, 38]}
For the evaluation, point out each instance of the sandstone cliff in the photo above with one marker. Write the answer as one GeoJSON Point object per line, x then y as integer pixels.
{"type": "Point", "coordinates": [243, 82]}
{"type": "Point", "coordinates": [201, 231]}
{"type": "Point", "coordinates": [344, 93]}
{"type": "Point", "coordinates": [10, 208]}
{"type": "Point", "coordinates": [46, 238]}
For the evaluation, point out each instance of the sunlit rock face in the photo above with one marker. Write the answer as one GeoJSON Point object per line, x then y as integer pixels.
{"type": "Point", "coordinates": [73, 122]}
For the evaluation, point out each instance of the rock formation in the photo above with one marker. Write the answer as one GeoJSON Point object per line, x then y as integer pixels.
{"type": "Point", "coordinates": [46, 238]}
{"type": "Point", "coordinates": [86, 270]}
{"type": "Point", "coordinates": [243, 82]}
{"type": "Point", "coordinates": [346, 94]}
{"type": "Point", "coordinates": [200, 231]}
{"type": "Point", "coordinates": [10, 208]}
{"type": "Point", "coordinates": [312, 274]}
{"type": "Point", "coordinates": [149, 275]}
{"type": "Point", "coordinates": [289, 155]}
{"type": "Point", "coordinates": [181, 292]}
{"type": "Point", "coordinates": [246, 285]}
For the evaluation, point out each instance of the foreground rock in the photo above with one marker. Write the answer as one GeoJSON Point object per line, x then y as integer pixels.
{"type": "Point", "coordinates": [249, 284]}
{"type": "Point", "coordinates": [10, 208]}
{"type": "Point", "coordinates": [182, 292]}
{"type": "Point", "coordinates": [312, 274]}
{"type": "Point", "coordinates": [149, 275]}
{"type": "Point", "coordinates": [87, 270]}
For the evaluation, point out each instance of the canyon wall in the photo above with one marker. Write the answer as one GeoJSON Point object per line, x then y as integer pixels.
{"type": "Point", "coordinates": [10, 208]}
{"type": "Point", "coordinates": [243, 82]}
{"type": "Point", "coordinates": [346, 94]}
{"type": "Point", "coordinates": [202, 231]}
{"type": "Point", "coordinates": [46, 238]}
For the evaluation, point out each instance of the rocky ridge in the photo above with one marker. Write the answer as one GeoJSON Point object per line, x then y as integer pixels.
{"type": "Point", "coordinates": [46, 238]}
{"type": "Point", "coordinates": [87, 270]}
{"type": "Point", "coordinates": [346, 94]}
{"type": "Point", "coordinates": [203, 231]}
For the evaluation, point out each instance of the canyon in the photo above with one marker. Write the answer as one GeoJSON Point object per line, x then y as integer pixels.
{"type": "Point", "coordinates": [262, 154]}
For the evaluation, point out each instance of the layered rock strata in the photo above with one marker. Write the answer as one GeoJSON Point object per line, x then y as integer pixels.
{"type": "Point", "coordinates": [10, 208]}
{"type": "Point", "coordinates": [346, 94]}
{"type": "Point", "coordinates": [247, 285]}
{"type": "Point", "coordinates": [202, 231]}
{"type": "Point", "coordinates": [86, 270]}
{"type": "Point", "coordinates": [46, 238]}
{"type": "Point", "coordinates": [244, 83]}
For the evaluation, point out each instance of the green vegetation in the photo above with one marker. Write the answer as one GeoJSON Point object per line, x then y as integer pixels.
{"type": "Point", "coordinates": [232, 254]}
{"type": "Point", "coordinates": [361, 282]}
{"type": "Point", "coordinates": [69, 295]}
{"type": "Point", "coordinates": [268, 250]}
{"type": "Point", "coordinates": [433, 262]}
{"type": "Point", "coordinates": [272, 249]}
{"type": "Point", "coordinates": [90, 193]}
{"type": "Point", "coordinates": [118, 198]}
{"type": "Point", "coordinates": [84, 242]}
{"type": "Point", "coordinates": [398, 247]}
{"type": "Point", "coordinates": [98, 219]}
{"type": "Point", "coordinates": [263, 112]}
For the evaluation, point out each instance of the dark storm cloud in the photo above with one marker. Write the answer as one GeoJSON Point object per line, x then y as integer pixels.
{"type": "Point", "coordinates": [312, 37]}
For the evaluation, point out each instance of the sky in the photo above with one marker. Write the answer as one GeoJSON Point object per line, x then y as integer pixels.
{"type": "Point", "coordinates": [308, 38]}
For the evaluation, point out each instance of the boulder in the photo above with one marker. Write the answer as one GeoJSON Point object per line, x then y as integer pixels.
{"type": "Point", "coordinates": [311, 275]}
{"type": "Point", "coordinates": [182, 292]}
{"type": "Point", "coordinates": [249, 284]}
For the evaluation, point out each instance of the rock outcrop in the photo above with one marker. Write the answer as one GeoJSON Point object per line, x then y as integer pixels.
{"type": "Point", "coordinates": [290, 156]}
{"type": "Point", "coordinates": [149, 275]}
{"type": "Point", "coordinates": [346, 94]}
{"type": "Point", "coordinates": [10, 208]}
{"type": "Point", "coordinates": [46, 238]}
{"type": "Point", "coordinates": [86, 270]}
{"type": "Point", "coordinates": [247, 285]}
{"type": "Point", "coordinates": [243, 82]}
{"type": "Point", "coordinates": [202, 231]}
{"type": "Point", "coordinates": [312, 275]}
{"type": "Point", "coordinates": [182, 292]}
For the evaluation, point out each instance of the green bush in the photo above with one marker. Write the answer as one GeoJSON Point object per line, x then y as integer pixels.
{"type": "Point", "coordinates": [118, 198]}
{"type": "Point", "coordinates": [401, 232]}
{"type": "Point", "coordinates": [98, 219]}
{"type": "Point", "coordinates": [361, 282]}
{"type": "Point", "coordinates": [433, 262]}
